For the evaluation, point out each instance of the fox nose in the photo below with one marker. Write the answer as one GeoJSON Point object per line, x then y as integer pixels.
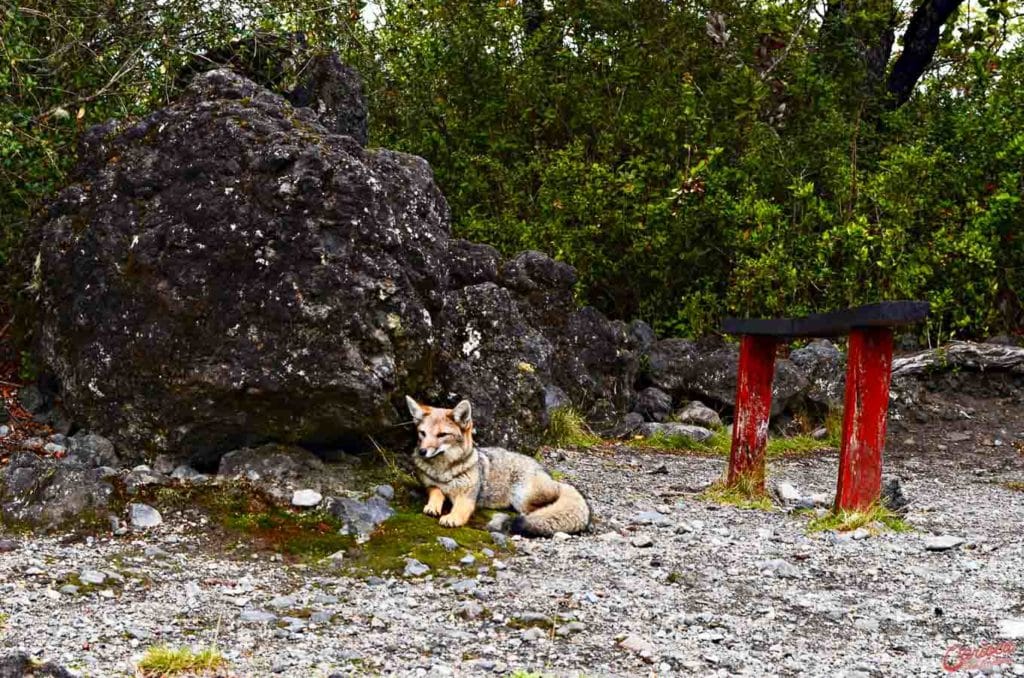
{"type": "Point", "coordinates": [424, 451]}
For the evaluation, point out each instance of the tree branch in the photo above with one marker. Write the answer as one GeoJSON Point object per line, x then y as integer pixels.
{"type": "Point", "coordinates": [919, 43]}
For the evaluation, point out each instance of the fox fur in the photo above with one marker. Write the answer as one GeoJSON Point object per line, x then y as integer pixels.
{"type": "Point", "coordinates": [451, 467]}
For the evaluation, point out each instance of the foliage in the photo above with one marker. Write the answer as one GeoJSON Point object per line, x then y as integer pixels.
{"type": "Point", "coordinates": [743, 494]}
{"type": "Point", "coordinates": [567, 427]}
{"type": "Point", "coordinates": [690, 160]}
{"type": "Point", "coordinates": [845, 521]}
{"type": "Point", "coordinates": [164, 660]}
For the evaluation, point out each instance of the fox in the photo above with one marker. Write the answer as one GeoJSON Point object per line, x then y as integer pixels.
{"type": "Point", "coordinates": [451, 467]}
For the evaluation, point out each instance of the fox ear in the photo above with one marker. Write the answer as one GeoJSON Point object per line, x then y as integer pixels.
{"type": "Point", "coordinates": [415, 410]}
{"type": "Point", "coordinates": [463, 414]}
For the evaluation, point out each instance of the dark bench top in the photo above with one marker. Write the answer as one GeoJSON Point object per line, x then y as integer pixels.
{"type": "Point", "coordinates": [883, 314]}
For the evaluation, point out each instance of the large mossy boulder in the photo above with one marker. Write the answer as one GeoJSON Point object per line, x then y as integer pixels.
{"type": "Point", "coordinates": [231, 270]}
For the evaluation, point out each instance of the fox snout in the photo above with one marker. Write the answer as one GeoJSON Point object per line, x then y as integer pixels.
{"type": "Point", "coordinates": [429, 452]}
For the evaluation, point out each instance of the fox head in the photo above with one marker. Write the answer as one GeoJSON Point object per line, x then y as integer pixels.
{"type": "Point", "coordinates": [441, 431]}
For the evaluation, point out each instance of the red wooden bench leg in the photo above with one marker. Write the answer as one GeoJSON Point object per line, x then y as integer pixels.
{"type": "Point", "coordinates": [753, 409]}
{"type": "Point", "coordinates": [868, 372]}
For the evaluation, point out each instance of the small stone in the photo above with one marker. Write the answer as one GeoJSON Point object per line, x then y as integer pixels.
{"type": "Point", "coordinates": [144, 516]}
{"type": "Point", "coordinates": [655, 518]}
{"type": "Point", "coordinates": [94, 577]}
{"type": "Point", "coordinates": [819, 433]}
{"type": "Point", "coordinates": [787, 493]}
{"type": "Point", "coordinates": [467, 559]}
{"type": "Point", "coordinates": [635, 643]}
{"type": "Point", "coordinates": [4, 431]}
{"type": "Point", "coordinates": [869, 625]}
{"type": "Point", "coordinates": [642, 541]}
{"type": "Point", "coordinates": [465, 586]}
{"type": "Point", "coordinates": [497, 522]}
{"type": "Point", "coordinates": [780, 568]}
{"type": "Point", "coordinates": [68, 589]}
{"type": "Point", "coordinates": [533, 634]}
{"type": "Point", "coordinates": [137, 632]}
{"type": "Point", "coordinates": [470, 609]}
{"type": "Point", "coordinates": [860, 533]}
{"type": "Point", "coordinates": [385, 491]}
{"type": "Point", "coordinates": [696, 412]}
{"type": "Point", "coordinates": [156, 552]}
{"type": "Point", "coordinates": [8, 545]}
{"type": "Point", "coordinates": [570, 628]}
{"type": "Point", "coordinates": [106, 593]}
{"type": "Point", "coordinates": [189, 475]}
{"type": "Point", "coordinates": [560, 536]}
{"type": "Point", "coordinates": [414, 568]}
{"type": "Point", "coordinates": [447, 543]}
{"type": "Point", "coordinates": [306, 498]}
{"type": "Point", "coordinates": [257, 617]}
{"type": "Point", "coordinates": [943, 542]}
{"type": "Point", "coordinates": [283, 602]}
{"type": "Point", "coordinates": [499, 539]}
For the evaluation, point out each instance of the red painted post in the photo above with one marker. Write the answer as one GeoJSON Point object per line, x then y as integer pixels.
{"type": "Point", "coordinates": [753, 409]}
{"type": "Point", "coordinates": [868, 372]}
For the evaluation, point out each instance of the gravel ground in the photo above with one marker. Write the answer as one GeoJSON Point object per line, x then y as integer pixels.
{"type": "Point", "coordinates": [718, 590]}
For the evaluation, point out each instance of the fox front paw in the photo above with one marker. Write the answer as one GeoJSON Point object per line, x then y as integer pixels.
{"type": "Point", "coordinates": [452, 520]}
{"type": "Point", "coordinates": [432, 510]}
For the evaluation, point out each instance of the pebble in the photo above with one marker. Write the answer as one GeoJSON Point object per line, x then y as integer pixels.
{"type": "Point", "coordinates": [414, 568]}
{"type": "Point", "coordinates": [1012, 628]}
{"type": "Point", "coordinates": [144, 516]}
{"type": "Point", "coordinates": [655, 518]}
{"type": "Point", "coordinates": [467, 559]}
{"type": "Point", "coordinates": [94, 577]}
{"type": "Point", "coordinates": [499, 539]}
{"type": "Point", "coordinates": [447, 543]}
{"type": "Point", "coordinates": [943, 543]}
{"type": "Point", "coordinates": [306, 498]}
{"type": "Point", "coordinates": [533, 634]}
{"type": "Point", "coordinates": [642, 541]}
{"type": "Point", "coordinates": [385, 491]}
{"type": "Point", "coordinates": [635, 643]}
{"type": "Point", "coordinates": [8, 545]}
{"type": "Point", "coordinates": [257, 617]}
{"type": "Point", "coordinates": [780, 568]}
{"type": "Point", "coordinates": [560, 536]}
{"type": "Point", "coordinates": [787, 492]}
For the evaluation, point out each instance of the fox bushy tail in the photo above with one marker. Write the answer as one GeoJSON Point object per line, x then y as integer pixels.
{"type": "Point", "coordinates": [568, 513]}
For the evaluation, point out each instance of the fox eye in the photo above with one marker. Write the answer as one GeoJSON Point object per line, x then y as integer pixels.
{"type": "Point", "coordinates": [423, 434]}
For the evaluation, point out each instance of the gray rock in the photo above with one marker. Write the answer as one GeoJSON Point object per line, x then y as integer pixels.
{"type": "Point", "coordinates": [414, 568]}
{"type": "Point", "coordinates": [447, 543]}
{"type": "Point", "coordinates": [143, 476]}
{"type": "Point", "coordinates": [188, 474]}
{"type": "Point", "coordinates": [306, 498]}
{"type": "Point", "coordinates": [533, 634]}
{"type": "Point", "coordinates": [787, 493]}
{"type": "Point", "coordinates": [465, 586]}
{"type": "Point", "coordinates": [33, 400]}
{"type": "Point", "coordinates": [385, 491]}
{"type": "Point", "coordinates": [94, 577]}
{"type": "Point", "coordinates": [779, 568]}
{"type": "Point", "coordinates": [467, 559]}
{"type": "Point", "coordinates": [892, 496]}
{"type": "Point", "coordinates": [499, 539]}
{"type": "Point", "coordinates": [824, 367]}
{"type": "Point", "coordinates": [8, 545]}
{"type": "Point", "coordinates": [642, 541]}
{"type": "Point", "coordinates": [144, 516]}
{"type": "Point", "coordinates": [359, 518]}
{"type": "Point", "coordinates": [22, 665]}
{"type": "Point", "coordinates": [257, 617]}
{"type": "Point", "coordinates": [653, 404]}
{"type": "Point", "coordinates": [470, 609]}
{"type": "Point", "coordinates": [570, 628]}
{"type": "Point", "coordinates": [819, 433]}
{"type": "Point", "coordinates": [283, 602]}
{"type": "Point", "coordinates": [943, 542]}
{"type": "Point", "coordinates": [92, 450]}
{"type": "Point", "coordinates": [651, 518]}
{"type": "Point", "coordinates": [699, 414]}
{"type": "Point", "coordinates": [635, 643]}
{"type": "Point", "coordinates": [673, 429]}
{"type": "Point", "coordinates": [49, 493]}
{"type": "Point", "coordinates": [69, 589]}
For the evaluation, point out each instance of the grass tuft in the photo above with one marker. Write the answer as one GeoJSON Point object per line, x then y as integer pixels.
{"type": "Point", "coordinates": [744, 494]}
{"type": "Point", "coordinates": [567, 427]}
{"type": "Point", "coordinates": [1015, 485]}
{"type": "Point", "coordinates": [845, 521]}
{"type": "Point", "coordinates": [164, 660]}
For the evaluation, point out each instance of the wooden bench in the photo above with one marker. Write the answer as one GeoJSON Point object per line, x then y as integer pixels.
{"type": "Point", "coordinates": [868, 372]}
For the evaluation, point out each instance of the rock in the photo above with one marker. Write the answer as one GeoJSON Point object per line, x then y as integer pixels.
{"type": "Point", "coordinates": [8, 545]}
{"type": "Point", "coordinates": [359, 518]}
{"type": "Point", "coordinates": [824, 367]}
{"type": "Point", "coordinates": [283, 602]}
{"type": "Point", "coordinates": [257, 617]}
{"type": "Point", "coordinates": [779, 568]}
{"type": "Point", "coordinates": [627, 426]}
{"type": "Point", "coordinates": [335, 251]}
{"type": "Point", "coordinates": [94, 577]}
{"type": "Point", "coordinates": [943, 542]}
{"type": "Point", "coordinates": [20, 664]}
{"type": "Point", "coordinates": [642, 541]}
{"type": "Point", "coordinates": [472, 264]}
{"type": "Point", "coordinates": [69, 589]}
{"type": "Point", "coordinates": [414, 568]}
{"type": "Point", "coordinates": [533, 634]}
{"type": "Point", "coordinates": [499, 539]}
{"type": "Point", "coordinates": [470, 609]}
{"type": "Point", "coordinates": [385, 491]}
{"type": "Point", "coordinates": [447, 543]}
{"type": "Point", "coordinates": [708, 368]}
{"type": "Point", "coordinates": [571, 628]}
{"type": "Point", "coordinates": [465, 586]}
{"type": "Point", "coordinates": [672, 429]}
{"type": "Point", "coordinates": [787, 493]}
{"type": "Point", "coordinates": [49, 493]}
{"type": "Point", "coordinates": [306, 498]}
{"type": "Point", "coordinates": [699, 414]}
{"type": "Point", "coordinates": [467, 560]}
{"type": "Point", "coordinates": [4, 431]}
{"type": "Point", "coordinates": [33, 400]}
{"type": "Point", "coordinates": [860, 533]}
{"type": "Point", "coordinates": [281, 469]}
{"type": "Point", "coordinates": [635, 643]}
{"type": "Point", "coordinates": [653, 404]}
{"type": "Point", "coordinates": [144, 516]}
{"type": "Point", "coordinates": [188, 474]}
{"type": "Point", "coordinates": [334, 92]}
{"type": "Point", "coordinates": [892, 496]}
{"type": "Point", "coordinates": [651, 518]}
{"type": "Point", "coordinates": [819, 433]}
{"type": "Point", "coordinates": [141, 477]}
{"type": "Point", "coordinates": [642, 336]}
{"type": "Point", "coordinates": [497, 523]}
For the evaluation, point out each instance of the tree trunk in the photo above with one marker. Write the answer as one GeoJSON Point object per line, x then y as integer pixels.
{"type": "Point", "coordinates": [919, 43]}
